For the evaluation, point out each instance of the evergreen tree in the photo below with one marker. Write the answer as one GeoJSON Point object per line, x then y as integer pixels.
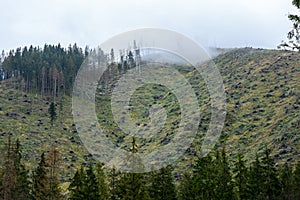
{"type": "Point", "coordinates": [162, 185]}
{"type": "Point", "coordinates": [271, 182]}
{"type": "Point", "coordinates": [255, 180]}
{"type": "Point", "coordinates": [223, 184]}
{"type": "Point", "coordinates": [53, 163]}
{"type": "Point", "coordinates": [186, 190]}
{"type": "Point", "coordinates": [204, 178]}
{"type": "Point", "coordinates": [114, 190]}
{"type": "Point", "coordinates": [286, 183]}
{"type": "Point", "coordinates": [52, 112]}
{"type": "Point", "coordinates": [101, 179]}
{"type": "Point", "coordinates": [241, 178]}
{"type": "Point", "coordinates": [296, 182]}
{"type": "Point", "coordinates": [22, 185]}
{"type": "Point", "coordinates": [133, 185]}
{"type": "Point", "coordinates": [40, 179]}
{"type": "Point", "coordinates": [76, 187]}
{"type": "Point", "coordinates": [91, 185]}
{"type": "Point", "coordinates": [14, 176]}
{"type": "Point", "coordinates": [8, 175]}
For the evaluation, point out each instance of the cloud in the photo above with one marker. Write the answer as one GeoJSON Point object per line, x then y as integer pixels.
{"type": "Point", "coordinates": [222, 23]}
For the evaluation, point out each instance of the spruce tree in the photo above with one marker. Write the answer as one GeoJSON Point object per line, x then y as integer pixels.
{"type": "Point", "coordinates": [22, 185]}
{"type": "Point", "coordinates": [186, 190]}
{"type": "Point", "coordinates": [256, 179]}
{"type": "Point", "coordinates": [114, 190]}
{"type": "Point", "coordinates": [296, 182]}
{"type": "Point", "coordinates": [52, 112]}
{"type": "Point", "coordinates": [241, 178]}
{"type": "Point", "coordinates": [14, 176]}
{"type": "Point", "coordinates": [204, 178]}
{"type": "Point", "coordinates": [102, 184]}
{"type": "Point", "coordinates": [91, 185]}
{"type": "Point", "coordinates": [286, 182]}
{"type": "Point", "coordinates": [223, 184]}
{"type": "Point", "coordinates": [133, 185]}
{"type": "Point", "coordinates": [271, 183]}
{"type": "Point", "coordinates": [76, 187]}
{"type": "Point", "coordinates": [53, 167]}
{"type": "Point", "coordinates": [40, 181]}
{"type": "Point", "coordinates": [163, 187]}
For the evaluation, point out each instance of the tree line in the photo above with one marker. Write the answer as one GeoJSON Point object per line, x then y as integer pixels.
{"type": "Point", "coordinates": [51, 70]}
{"type": "Point", "coordinates": [211, 177]}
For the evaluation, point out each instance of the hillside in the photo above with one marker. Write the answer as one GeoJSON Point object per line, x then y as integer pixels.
{"type": "Point", "coordinates": [263, 102]}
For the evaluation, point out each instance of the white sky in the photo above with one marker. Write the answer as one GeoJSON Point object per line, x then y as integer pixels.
{"type": "Point", "coordinates": [218, 23]}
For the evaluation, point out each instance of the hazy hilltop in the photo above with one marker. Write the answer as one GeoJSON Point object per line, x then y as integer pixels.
{"type": "Point", "coordinates": [263, 102]}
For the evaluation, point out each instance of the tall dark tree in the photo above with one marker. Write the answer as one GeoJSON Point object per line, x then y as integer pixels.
{"type": "Point", "coordinates": [286, 183]}
{"type": "Point", "coordinates": [40, 180]}
{"type": "Point", "coordinates": [53, 115]}
{"type": "Point", "coordinates": [91, 185]}
{"type": "Point", "coordinates": [256, 179]}
{"type": "Point", "coordinates": [186, 190]}
{"type": "Point", "coordinates": [53, 167]}
{"type": "Point", "coordinates": [162, 186]}
{"type": "Point", "coordinates": [223, 184]}
{"type": "Point", "coordinates": [76, 188]}
{"type": "Point", "coordinates": [271, 182]}
{"type": "Point", "coordinates": [133, 185]}
{"type": "Point", "coordinates": [102, 182]}
{"type": "Point", "coordinates": [296, 182]}
{"type": "Point", "coordinates": [241, 178]}
{"type": "Point", "coordinates": [52, 112]}
{"type": "Point", "coordinates": [114, 184]}
{"type": "Point", "coordinates": [204, 178]}
{"type": "Point", "coordinates": [14, 176]}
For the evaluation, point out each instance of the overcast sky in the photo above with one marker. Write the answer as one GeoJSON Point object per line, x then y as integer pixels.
{"type": "Point", "coordinates": [218, 23]}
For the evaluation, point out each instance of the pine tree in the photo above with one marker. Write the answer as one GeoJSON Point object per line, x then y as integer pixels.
{"type": "Point", "coordinates": [186, 190]}
{"type": "Point", "coordinates": [296, 182]}
{"type": "Point", "coordinates": [133, 185]}
{"type": "Point", "coordinates": [40, 179]}
{"type": "Point", "coordinates": [8, 175]}
{"type": "Point", "coordinates": [241, 178]}
{"type": "Point", "coordinates": [223, 184]}
{"type": "Point", "coordinates": [271, 183]}
{"type": "Point", "coordinates": [162, 184]}
{"type": "Point", "coordinates": [255, 180]}
{"type": "Point", "coordinates": [22, 185]}
{"type": "Point", "coordinates": [91, 185]}
{"type": "Point", "coordinates": [204, 178]}
{"type": "Point", "coordinates": [52, 112]}
{"type": "Point", "coordinates": [53, 163]}
{"type": "Point", "coordinates": [14, 176]}
{"type": "Point", "coordinates": [76, 187]}
{"type": "Point", "coordinates": [286, 183]}
{"type": "Point", "coordinates": [114, 183]}
{"type": "Point", "coordinates": [102, 184]}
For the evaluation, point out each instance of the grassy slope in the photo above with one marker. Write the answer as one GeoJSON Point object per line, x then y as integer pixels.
{"type": "Point", "coordinates": [263, 102]}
